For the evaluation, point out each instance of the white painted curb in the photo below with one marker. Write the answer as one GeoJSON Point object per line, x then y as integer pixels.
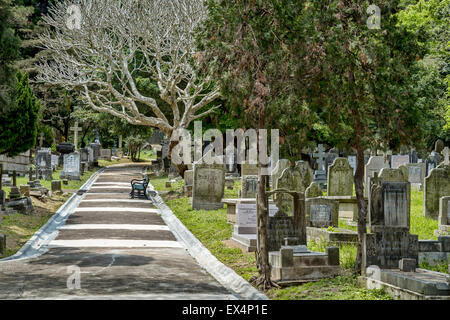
{"type": "Point", "coordinates": [225, 275]}
{"type": "Point", "coordinates": [38, 244]}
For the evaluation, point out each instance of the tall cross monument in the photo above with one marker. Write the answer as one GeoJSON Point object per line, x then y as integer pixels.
{"type": "Point", "coordinates": [75, 130]}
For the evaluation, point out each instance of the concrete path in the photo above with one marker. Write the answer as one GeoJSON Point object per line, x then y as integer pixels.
{"type": "Point", "coordinates": [111, 247]}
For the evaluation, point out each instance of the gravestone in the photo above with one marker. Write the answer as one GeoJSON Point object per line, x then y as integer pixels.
{"type": "Point", "coordinates": [413, 157]}
{"type": "Point", "coordinates": [209, 186]}
{"type": "Point", "coordinates": [96, 152]}
{"type": "Point", "coordinates": [76, 129]}
{"type": "Point", "coordinates": [399, 160]}
{"type": "Point", "coordinates": [84, 156]}
{"type": "Point", "coordinates": [432, 162]}
{"type": "Point", "coordinates": [71, 167]}
{"type": "Point", "coordinates": [374, 165]}
{"type": "Point", "coordinates": [287, 225]}
{"type": "Point", "coordinates": [246, 217]}
{"type": "Point", "coordinates": [189, 178]}
{"type": "Point", "coordinates": [105, 154]}
{"type": "Point", "coordinates": [416, 173]}
{"type": "Point", "coordinates": [249, 169]}
{"type": "Point", "coordinates": [43, 162]}
{"type": "Point", "coordinates": [320, 175]}
{"type": "Point", "coordinates": [322, 213]}
{"type": "Point", "coordinates": [56, 186]}
{"type": "Point", "coordinates": [249, 186]}
{"type": "Point", "coordinates": [278, 170]}
{"type": "Point", "coordinates": [313, 191]}
{"type": "Point", "coordinates": [439, 146]}
{"type": "Point", "coordinates": [444, 212]}
{"type": "Point", "coordinates": [437, 185]}
{"type": "Point", "coordinates": [296, 178]}
{"type": "Point", "coordinates": [353, 162]}
{"type": "Point", "coordinates": [340, 178]}
{"type": "Point", "coordinates": [55, 162]}
{"type": "Point", "coordinates": [389, 240]}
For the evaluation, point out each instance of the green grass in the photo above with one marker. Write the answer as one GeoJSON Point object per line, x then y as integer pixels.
{"type": "Point", "coordinates": [73, 184]}
{"type": "Point", "coordinates": [212, 229]}
{"type": "Point", "coordinates": [420, 225]}
{"type": "Point", "coordinates": [344, 287]}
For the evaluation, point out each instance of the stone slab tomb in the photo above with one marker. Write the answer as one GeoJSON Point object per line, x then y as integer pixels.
{"type": "Point", "coordinates": [389, 239]}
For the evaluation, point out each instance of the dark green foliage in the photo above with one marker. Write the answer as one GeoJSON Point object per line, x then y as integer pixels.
{"type": "Point", "coordinates": [18, 126]}
{"type": "Point", "coordinates": [9, 52]}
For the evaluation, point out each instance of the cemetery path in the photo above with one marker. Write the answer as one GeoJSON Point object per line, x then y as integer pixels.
{"type": "Point", "coordinates": [120, 248]}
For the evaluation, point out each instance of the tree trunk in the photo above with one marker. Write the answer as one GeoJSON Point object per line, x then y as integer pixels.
{"type": "Point", "coordinates": [362, 208]}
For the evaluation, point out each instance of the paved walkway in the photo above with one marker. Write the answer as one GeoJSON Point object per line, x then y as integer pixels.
{"type": "Point", "coordinates": [120, 247]}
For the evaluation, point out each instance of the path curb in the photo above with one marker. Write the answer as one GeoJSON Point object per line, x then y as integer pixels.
{"type": "Point", "coordinates": [37, 245]}
{"type": "Point", "coordinates": [225, 275]}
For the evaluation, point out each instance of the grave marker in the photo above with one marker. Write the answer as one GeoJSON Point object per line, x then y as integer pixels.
{"type": "Point", "coordinates": [340, 178]}
{"type": "Point", "coordinates": [209, 186]}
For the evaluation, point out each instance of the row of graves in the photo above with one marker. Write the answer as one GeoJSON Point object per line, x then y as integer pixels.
{"type": "Point", "coordinates": [299, 212]}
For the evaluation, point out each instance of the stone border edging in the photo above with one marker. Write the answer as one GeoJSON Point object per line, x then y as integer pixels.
{"type": "Point", "coordinates": [225, 275]}
{"type": "Point", "coordinates": [36, 246]}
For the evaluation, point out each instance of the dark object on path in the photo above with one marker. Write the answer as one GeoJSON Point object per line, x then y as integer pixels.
{"type": "Point", "coordinates": [139, 186]}
{"type": "Point", "coordinates": [81, 192]}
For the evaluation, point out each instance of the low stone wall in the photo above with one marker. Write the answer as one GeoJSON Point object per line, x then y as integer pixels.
{"type": "Point", "coordinates": [434, 251]}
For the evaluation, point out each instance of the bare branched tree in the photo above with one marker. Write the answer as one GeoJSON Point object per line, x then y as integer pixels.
{"type": "Point", "coordinates": [116, 43]}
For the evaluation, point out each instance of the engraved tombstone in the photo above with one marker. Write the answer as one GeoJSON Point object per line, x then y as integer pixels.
{"type": "Point", "coordinates": [437, 185]}
{"type": "Point", "coordinates": [43, 162]}
{"type": "Point", "coordinates": [249, 186]}
{"type": "Point", "coordinates": [209, 185]}
{"type": "Point", "coordinates": [374, 165]}
{"type": "Point", "coordinates": [71, 169]}
{"type": "Point", "coordinates": [322, 212]}
{"type": "Point", "coordinates": [340, 178]}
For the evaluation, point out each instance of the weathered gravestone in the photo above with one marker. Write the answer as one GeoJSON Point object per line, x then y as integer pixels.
{"type": "Point", "coordinates": [55, 162]}
{"type": "Point", "coordinates": [189, 178]}
{"type": "Point", "coordinates": [437, 185]}
{"type": "Point", "coordinates": [330, 157]}
{"type": "Point", "coordinates": [416, 173]}
{"type": "Point", "coordinates": [297, 178]}
{"type": "Point", "coordinates": [313, 191]}
{"type": "Point", "coordinates": [56, 186]}
{"type": "Point", "coordinates": [96, 153]}
{"type": "Point", "coordinates": [322, 213]}
{"type": "Point", "coordinates": [444, 214]}
{"type": "Point", "coordinates": [43, 162]}
{"type": "Point", "coordinates": [374, 165]}
{"type": "Point", "coordinates": [399, 160]}
{"type": "Point", "coordinates": [249, 169]}
{"type": "Point", "coordinates": [84, 157]}
{"type": "Point", "coordinates": [105, 154]}
{"type": "Point", "coordinates": [340, 178]}
{"type": "Point", "coordinates": [249, 186]}
{"type": "Point", "coordinates": [389, 239]}
{"type": "Point", "coordinates": [209, 185]}
{"type": "Point", "coordinates": [278, 170]}
{"type": "Point", "coordinates": [71, 168]}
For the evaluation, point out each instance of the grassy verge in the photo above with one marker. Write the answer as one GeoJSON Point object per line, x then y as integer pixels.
{"type": "Point", "coordinates": [20, 228]}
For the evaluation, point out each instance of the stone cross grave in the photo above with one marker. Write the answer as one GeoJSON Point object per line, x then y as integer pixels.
{"type": "Point", "coordinates": [75, 130]}
{"type": "Point", "coordinates": [340, 178]}
{"type": "Point", "coordinates": [320, 175]}
{"type": "Point", "coordinates": [209, 186]}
